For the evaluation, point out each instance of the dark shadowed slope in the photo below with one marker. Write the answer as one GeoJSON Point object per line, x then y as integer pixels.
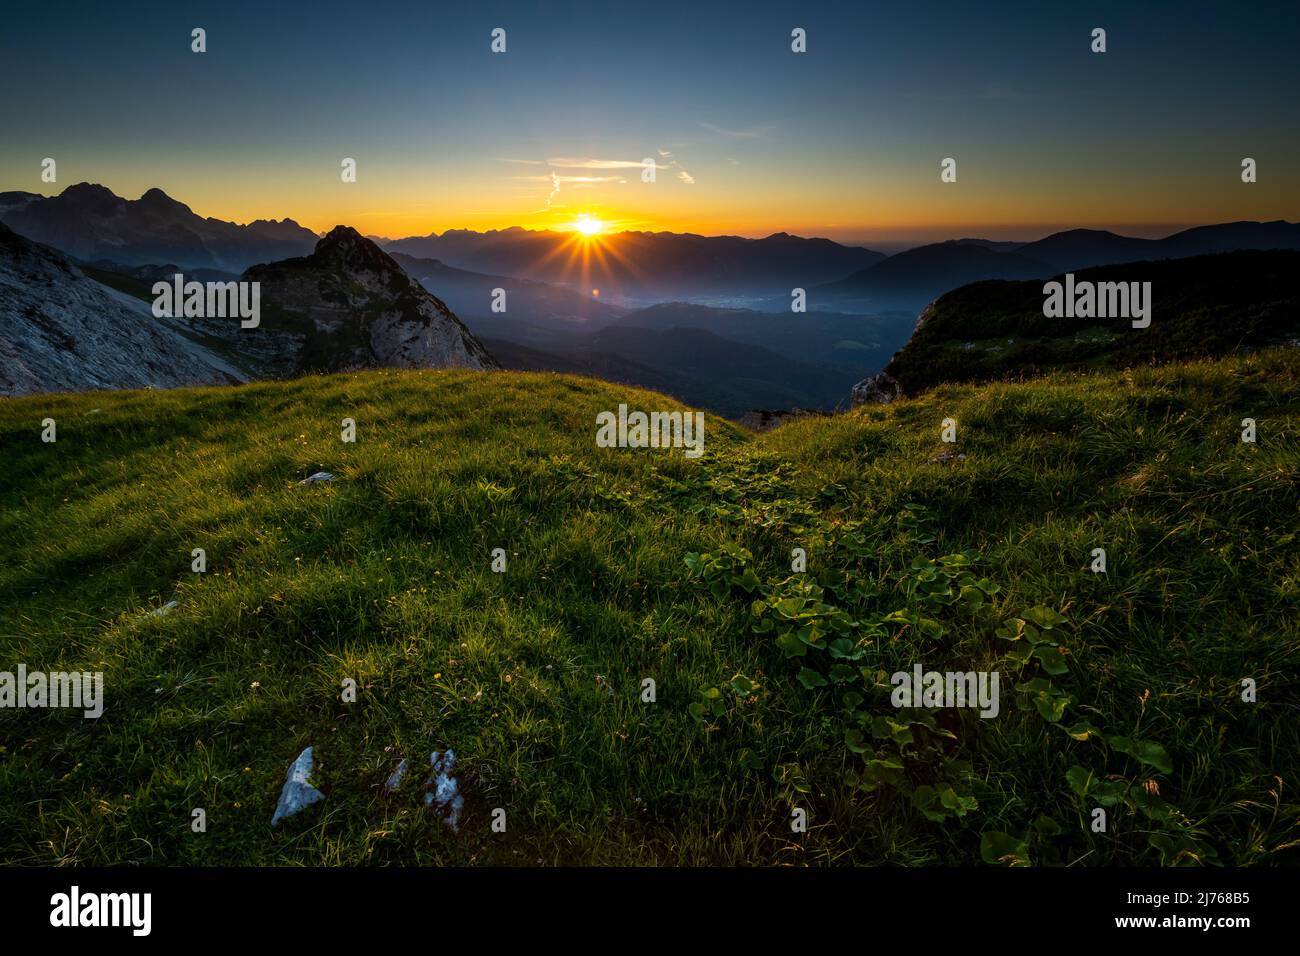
{"type": "Point", "coordinates": [1202, 306]}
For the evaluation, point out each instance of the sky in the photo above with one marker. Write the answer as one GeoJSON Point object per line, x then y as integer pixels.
{"type": "Point", "coordinates": [746, 137]}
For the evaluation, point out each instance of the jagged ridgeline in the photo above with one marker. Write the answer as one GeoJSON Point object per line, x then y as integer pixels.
{"type": "Point", "coordinates": [1203, 306]}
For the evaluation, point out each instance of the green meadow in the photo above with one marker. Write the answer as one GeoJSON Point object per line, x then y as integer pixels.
{"type": "Point", "coordinates": [1120, 691]}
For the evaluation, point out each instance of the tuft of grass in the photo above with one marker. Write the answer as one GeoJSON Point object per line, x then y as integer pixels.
{"type": "Point", "coordinates": [535, 676]}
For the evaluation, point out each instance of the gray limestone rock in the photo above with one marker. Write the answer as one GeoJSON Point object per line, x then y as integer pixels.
{"type": "Point", "coordinates": [297, 794]}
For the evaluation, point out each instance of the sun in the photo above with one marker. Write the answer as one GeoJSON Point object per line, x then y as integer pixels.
{"type": "Point", "coordinates": [589, 226]}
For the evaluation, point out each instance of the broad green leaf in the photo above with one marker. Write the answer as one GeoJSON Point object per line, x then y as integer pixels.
{"type": "Point", "coordinates": [854, 740]}
{"type": "Point", "coordinates": [1151, 804]}
{"type": "Point", "coordinates": [1082, 730]}
{"type": "Point", "coordinates": [1080, 780]}
{"type": "Point", "coordinates": [792, 646]}
{"type": "Point", "coordinates": [1044, 617]}
{"type": "Point", "coordinates": [842, 672]}
{"type": "Point", "coordinates": [811, 635]}
{"type": "Point", "coordinates": [843, 648]}
{"type": "Point", "coordinates": [883, 728]}
{"type": "Point", "coordinates": [1109, 792]}
{"type": "Point", "coordinates": [957, 803]}
{"type": "Point", "coordinates": [1052, 659]}
{"type": "Point", "coordinates": [1144, 751]}
{"type": "Point", "coordinates": [882, 771]}
{"type": "Point", "coordinates": [1020, 654]}
{"type": "Point", "coordinates": [1051, 709]}
{"type": "Point", "coordinates": [997, 847]}
{"type": "Point", "coordinates": [811, 678]}
{"type": "Point", "coordinates": [742, 685]}
{"type": "Point", "coordinates": [925, 799]}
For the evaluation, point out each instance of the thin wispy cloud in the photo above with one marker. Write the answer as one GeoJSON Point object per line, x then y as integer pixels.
{"type": "Point", "coordinates": [686, 177]}
{"type": "Point", "coordinates": [756, 132]}
{"type": "Point", "coordinates": [555, 179]}
{"type": "Point", "coordinates": [589, 163]}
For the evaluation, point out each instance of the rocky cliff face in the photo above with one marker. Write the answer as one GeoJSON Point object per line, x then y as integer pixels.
{"type": "Point", "coordinates": [345, 306]}
{"type": "Point", "coordinates": [349, 305]}
{"type": "Point", "coordinates": [61, 331]}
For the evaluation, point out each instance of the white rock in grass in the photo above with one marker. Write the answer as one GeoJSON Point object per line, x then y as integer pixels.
{"type": "Point", "coordinates": [297, 794]}
{"type": "Point", "coordinates": [319, 476]}
{"type": "Point", "coordinates": [446, 790]}
{"type": "Point", "coordinates": [395, 778]}
{"type": "Point", "coordinates": [165, 609]}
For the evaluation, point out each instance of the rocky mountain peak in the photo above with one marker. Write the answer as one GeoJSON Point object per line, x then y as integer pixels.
{"type": "Point", "coordinates": [90, 196]}
{"type": "Point", "coordinates": [157, 200]}
{"type": "Point", "coordinates": [346, 249]}
{"type": "Point", "coordinates": [350, 305]}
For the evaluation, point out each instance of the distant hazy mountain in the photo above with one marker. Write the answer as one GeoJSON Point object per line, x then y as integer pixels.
{"type": "Point", "coordinates": [995, 244]}
{"type": "Point", "coordinates": [89, 222]}
{"type": "Point", "coordinates": [61, 331]}
{"type": "Point", "coordinates": [1231, 236]}
{"type": "Point", "coordinates": [694, 365]}
{"type": "Point", "coordinates": [1202, 306]}
{"type": "Point", "coordinates": [645, 266]}
{"type": "Point", "coordinates": [470, 295]}
{"type": "Point", "coordinates": [15, 200]}
{"type": "Point", "coordinates": [917, 276]}
{"type": "Point", "coordinates": [1080, 248]}
{"type": "Point", "coordinates": [834, 338]}
{"type": "Point", "coordinates": [349, 305]}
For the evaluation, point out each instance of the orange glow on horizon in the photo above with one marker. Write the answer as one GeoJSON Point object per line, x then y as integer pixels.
{"type": "Point", "coordinates": [395, 210]}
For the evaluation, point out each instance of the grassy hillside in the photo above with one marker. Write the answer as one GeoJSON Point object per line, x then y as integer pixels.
{"type": "Point", "coordinates": [1119, 690]}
